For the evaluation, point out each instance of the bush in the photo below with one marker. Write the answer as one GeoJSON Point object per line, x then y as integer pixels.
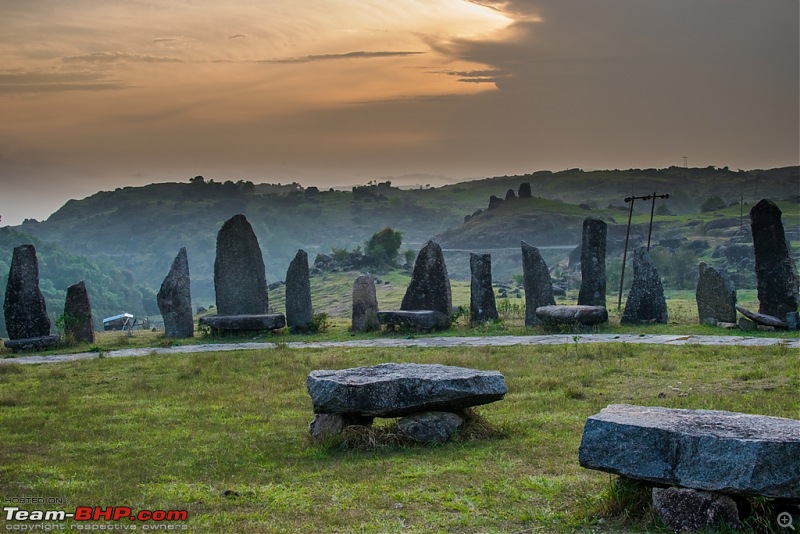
{"type": "Point", "coordinates": [383, 247]}
{"type": "Point", "coordinates": [712, 204]}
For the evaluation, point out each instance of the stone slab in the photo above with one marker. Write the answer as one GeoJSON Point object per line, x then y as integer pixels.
{"type": "Point", "coordinates": [585, 315]}
{"type": "Point", "coordinates": [719, 451]}
{"type": "Point", "coordinates": [244, 323]}
{"type": "Point", "coordinates": [32, 343]}
{"type": "Point", "coordinates": [395, 389]}
{"type": "Point", "coordinates": [761, 318]}
{"type": "Point", "coordinates": [420, 319]}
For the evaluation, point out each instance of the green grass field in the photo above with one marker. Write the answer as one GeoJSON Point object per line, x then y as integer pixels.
{"type": "Point", "coordinates": [224, 436]}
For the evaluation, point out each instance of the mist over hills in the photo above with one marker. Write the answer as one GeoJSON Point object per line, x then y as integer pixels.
{"type": "Point", "coordinates": [133, 233]}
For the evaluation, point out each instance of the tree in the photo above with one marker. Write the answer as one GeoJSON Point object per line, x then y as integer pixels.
{"type": "Point", "coordinates": [383, 247]}
{"type": "Point", "coordinates": [712, 204]}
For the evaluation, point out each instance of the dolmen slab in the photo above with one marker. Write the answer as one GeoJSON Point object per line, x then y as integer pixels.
{"type": "Point", "coordinates": [584, 315]}
{"type": "Point", "coordinates": [32, 343]}
{"type": "Point", "coordinates": [244, 323]}
{"type": "Point", "coordinates": [418, 319]}
{"type": "Point", "coordinates": [725, 452]}
{"type": "Point", "coordinates": [761, 318]}
{"type": "Point", "coordinates": [398, 389]}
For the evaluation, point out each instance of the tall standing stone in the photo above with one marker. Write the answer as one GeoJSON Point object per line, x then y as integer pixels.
{"type": "Point", "coordinates": [716, 296]}
{"type": "Point", "coordinates": [298, 294]}
{"type": "Point", "coordinates": [24, 307]}
{"type": "Point", "coordinates": [776, 272]}
{"type": "Point", "coordinates": [646, 302]}
{"type": "Point", "coordinates": [524, 190]}
{"type": "Point", "coordinates": [537, 284]}
{"type": "Point", "coordinates": [174, 299]}
{"type": "Point", "coordinates": [78, 314]}
{"type": "Point", "coordinates": [365, 305]}
{"type": "Point", "coordinates": [593, 263]}
{"type": "Point", "coordinates": [482, 306]}
{"type": "Point", "coordinates": [430, 286]}
{"type": "Point", "coordinates": [240, 281]}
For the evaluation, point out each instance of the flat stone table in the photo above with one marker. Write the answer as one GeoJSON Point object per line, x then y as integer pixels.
{"type": "Point", "coordinates": [422, 320]}
{"type": "Point", "coordinates": [724, 452]}
{"type": "Point", "coordinates": [244, 323]}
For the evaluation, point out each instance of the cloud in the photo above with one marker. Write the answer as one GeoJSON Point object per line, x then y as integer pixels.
{"type": "Point", "coordinates": [237, 36]}
{"type": "Point", "coordinates": [53, 82]}
{"type": "Point", "coordinates": [348, 55]}
{"type": "Point", "coordinates": [112, 57]}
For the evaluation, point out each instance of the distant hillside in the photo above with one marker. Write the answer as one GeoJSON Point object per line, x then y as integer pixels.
{"type": "Point", "coordinates": [141, 229]}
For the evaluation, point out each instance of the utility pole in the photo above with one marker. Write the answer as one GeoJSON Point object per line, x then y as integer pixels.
{"type": "Point", "coordinates": [628, 233]}
{"type": "Point", "coordinates": [685, 162]}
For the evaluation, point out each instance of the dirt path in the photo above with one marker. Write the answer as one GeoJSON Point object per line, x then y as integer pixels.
{"type": "Point", "coordinates": [428, 342]}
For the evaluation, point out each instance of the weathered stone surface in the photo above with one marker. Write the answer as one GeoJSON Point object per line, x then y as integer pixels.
{"type": "Point", "coordinates": [510, 194]}
{"type": "Point", "coordinates": [78, 314]}
{"type": "Point", "coordinates": [726, 452]}
{"type": "Point", "coordinates": [244, 323]}
{"type": "Point", "coordinates": [761, 318]}
{"type": "Point", "coordinates": [325, 424]}
{"type": "Point", "coordinates": [429, 288]}
{"type": "Point", "coordinates": [536, 280]}
{"type": "Point", "coordinates": [239, 278]}
{"type": "Point", "coordinates": [395, 390]}
{"type": "Point", "coordinates": [688, 510]}
{"type": "Point", "coordinates": [365, 305]}
{"type": "Point", "coordinates": [430, 427]}
{"type": "Point", "coordinates": [494, 202]}
{"type": "Point", "coordinates": [31, 343]}
{"type": "Point", "coordinates": [584, 315]}
{"type": "Point", "coordinates": [746, 325]}
{"type": "Point", "coordinates": [776, 272]}
{"type": "Point", "coordinates": [524, 190]}
{"type": "Point", "coordinates": [24, 307]}
{"type": "Point", "coordinates": [482, 306]}
{"type": "Point", "coordinates": [174, 299]}
{"type": "Point", "coordinates": [646, 302]}
{"type": "Point", "coordinates": [420, 320]}
{"type": "Point", "coordinates": [716, 296]}
{"type": "Point", "coordinates": [299, 313]}
{"type": "Point", "coordinates": [793, 321]}
{"type": "Point", "coordinates": [593, 263]}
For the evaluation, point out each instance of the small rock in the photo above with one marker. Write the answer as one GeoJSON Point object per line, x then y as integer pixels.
{"type": "Point", "coordinates": [430, 427]}
{"type": "Point", "coordinates": [688, 510]}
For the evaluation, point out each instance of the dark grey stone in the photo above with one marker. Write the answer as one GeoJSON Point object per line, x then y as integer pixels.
{"type": "Point", "coordinates": [494, 202]}
{"type": "Point", "coordinates": [482, 306]}
{"type": "Point", "coordinates": [776, 272]}
{"type": "Point", "coordinates": [510, 194]}
{"type": "Point", "coordinates": [423, 320]}
{"type": "Point", "coordinates": [593, 263]}
{"type": "Point", "coordinates": [716, 296]}
{"type": "Point", "coordinates": [584, 315]}
{"type": "Point", "coordinates": [761, 318]}
{"type": "Point", "coordinates": [395, 389]}
{"type": "Point", "coordinates": [78, 314]}
{"type": "Point", "coordinates": [524, 190]}
{"type": "Point", "coordinates": [299, 313]}
{"type": "Point", "coordinates": [365, 305]}
{"type": "Point", "coordinates": [746, 325]}
{"type": "Point", "coordinates": [24, 307]}
{"type": "Point", "coordinates": [174, 299]}
{"type": "Point", "coordinates": [429, 288]}
{"type": "Point", "coordinates": [239, 278]}
{"type": "Point", "coordinates": [31, 343]}
{"type": "Point", "coordinates": [726, 452]}
{"type": "Point", "coordinates": [793, 321]}
{"type": "Point", "coordinates": [688, 510]}
{"type": "Point", "coordinates": [430, 427]}
{"type": "Point", "coordinates": [537, 283]}
{"type": "Point", "coordinates": [244, 323]}
{"type": "Point", "coordinates": [646, 302]}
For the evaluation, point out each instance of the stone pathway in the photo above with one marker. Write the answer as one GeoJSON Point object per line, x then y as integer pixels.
{"type": "Point", "coordinates": [429, 342]}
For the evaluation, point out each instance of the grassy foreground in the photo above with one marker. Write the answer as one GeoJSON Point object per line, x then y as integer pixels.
{"type": "Point", "coordinates": [224, 436]}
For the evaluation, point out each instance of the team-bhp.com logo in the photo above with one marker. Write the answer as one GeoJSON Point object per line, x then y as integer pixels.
{"type": "Point", "coordinates": [94, 513]}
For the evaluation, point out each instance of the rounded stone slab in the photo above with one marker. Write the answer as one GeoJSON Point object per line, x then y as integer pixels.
{"type": "Point", "coordinates": [585, 315]}
{"type": "Point", "coordinates": [719, 451]}
{"type": "Point", "coordinates": [395, 389]}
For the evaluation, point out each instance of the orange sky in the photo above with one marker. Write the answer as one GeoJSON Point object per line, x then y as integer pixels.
{"type": "Point", "coordinates": [98, 94]}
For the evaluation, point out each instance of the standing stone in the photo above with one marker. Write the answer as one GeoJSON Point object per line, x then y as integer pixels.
{"type": "Point", "coordinates": [174, 299]}
{"type": "Point", "coordinates": [593, 263]}
{"type": "Point", "coordinates": [365, 305]}
{"type": "Point", "coordinates": [537, 284]}
{"type": "Point", "coordinates": [239, 277]}
{"type": "Point", "coordinates": [646, 302]}
{"type": "Point", "coordinates": [482, 306]}
{"type": "Point", "coordinates": [494, 202]}
{"type": "Point", "coordinates": [298, 294]}
{"type": "Point", "coordinates": [716, 296]}
{"type": "Point", "coordinates": [430, 286]}
{"type": "Point", "coordinates": [776, 272]}
{"type": "Point", "coordinates": [78, 314]}
{"type": "Point", "coordinates": [524, 190]}
{"type": "Point", "coordinates": [510, 195]}
{"type": "Point", "coordinates": [24, 307]}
